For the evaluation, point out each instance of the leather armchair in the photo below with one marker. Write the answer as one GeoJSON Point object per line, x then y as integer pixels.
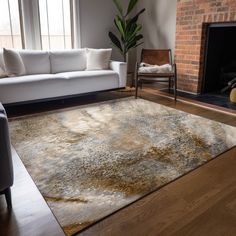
{"type": "Point", "coordinates": [6, 168]}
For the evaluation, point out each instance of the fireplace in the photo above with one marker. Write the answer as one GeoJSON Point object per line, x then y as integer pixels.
{"type": "Point", "coordinates": [191, 35]}
{"type": "Point", "coordinates": [205, 49]}
{"type": "Point", "coordinates": [219, 67]}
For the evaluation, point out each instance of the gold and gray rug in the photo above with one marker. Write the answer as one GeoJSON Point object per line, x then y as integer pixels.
{"type": "Point", "coordinates": [90, 161]}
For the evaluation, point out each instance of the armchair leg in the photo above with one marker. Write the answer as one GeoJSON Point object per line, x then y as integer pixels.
{"type": "Point", "coordinates": [175, 88]}
{"type": "Point", "coordinates": [175, 83]}
{"type": "Point", "coordinates": [136, 89]}
{"type": "Point", "coordinates": [136, 80]}
{"type": "Point", "coordinates": [7, 193]}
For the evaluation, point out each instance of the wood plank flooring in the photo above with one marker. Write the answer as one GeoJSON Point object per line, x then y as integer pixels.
{"type": "Point", "coordinates": [200, 203]}
{"type": "Point", "coordinates": [30, 214]}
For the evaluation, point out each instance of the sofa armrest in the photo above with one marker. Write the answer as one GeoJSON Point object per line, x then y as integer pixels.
{"type": "Point", "coordinates": [121, 69]}
{"type": "Point", "coordinates": [6, 168]}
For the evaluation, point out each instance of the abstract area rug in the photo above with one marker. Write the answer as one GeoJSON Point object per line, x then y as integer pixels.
{"type": "Point", "coordinates": [92, 160]}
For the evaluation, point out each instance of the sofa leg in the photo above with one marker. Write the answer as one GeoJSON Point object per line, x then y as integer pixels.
{"type": "Point", "coordinates": [7, 193]}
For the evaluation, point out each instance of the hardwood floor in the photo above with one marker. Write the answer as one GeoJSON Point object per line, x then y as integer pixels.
{"type": "Point", "coordinates": [200, 203]}
{"type": "Point", "coordinates": [30, 214]}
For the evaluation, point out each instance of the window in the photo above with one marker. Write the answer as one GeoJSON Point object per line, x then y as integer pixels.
{"type": "Point", "coordinates": [55, 24]}
{"type": "Point", "coordinates": [10, 30]}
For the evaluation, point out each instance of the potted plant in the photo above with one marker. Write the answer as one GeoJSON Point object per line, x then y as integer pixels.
{"type": "Point", "coordinates": [128, 28]}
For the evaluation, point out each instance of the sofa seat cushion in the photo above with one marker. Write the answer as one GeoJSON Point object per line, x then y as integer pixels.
{"type": "Point", "coordinates": [35, 61]}
{"type": "Point", "coordinates": [88, 74]}
{"type": "Point", "coordinates": [30, 87]}
{"type": "Point", "coordinates": [46, 86]}
{"type": "Point", "coordinates": [80, 82]}
{"type": "Point", "coordinates": [68, 60]}
{"type": "Point", "coordinates": [28, 79]}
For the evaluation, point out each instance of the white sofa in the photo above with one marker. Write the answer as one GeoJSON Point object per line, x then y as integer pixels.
{"type": "Point", "coordinates": [58, 74]}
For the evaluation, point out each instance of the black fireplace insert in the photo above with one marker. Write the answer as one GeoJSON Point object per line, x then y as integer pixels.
{"type": "Point", "coordinates": [220, 58]}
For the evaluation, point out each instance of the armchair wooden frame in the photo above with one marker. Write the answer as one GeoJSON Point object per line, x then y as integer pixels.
{"type": "Point", "coordinates": [156, 57]}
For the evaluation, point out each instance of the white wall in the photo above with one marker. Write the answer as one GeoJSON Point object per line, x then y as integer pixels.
{"type": "Point", "coordinates": [96, 20]}
{"type": "Point", "coordinates": [159, 24]}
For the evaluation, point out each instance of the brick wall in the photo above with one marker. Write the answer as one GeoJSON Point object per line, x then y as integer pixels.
{"type": "Point", "coordinates": [192, 18]}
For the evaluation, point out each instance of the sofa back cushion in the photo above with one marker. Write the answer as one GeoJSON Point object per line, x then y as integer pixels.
{"type": "Point", "coordinates": [35, 61]}
{"type": "Point", "coordinates": [68, 60]}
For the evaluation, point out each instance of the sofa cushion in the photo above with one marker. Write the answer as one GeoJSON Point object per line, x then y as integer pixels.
{"type": "Point", "coordinates": [88, 74]}
{"type": "Point", "coordinates": [29, 79]}
{"type": "Point", "coordinates": [44, 86]}
{"type": "Point", "coordinates": [79, 82]}
{"type": "Point", "coordinates": [31, 87]}
{"type": "Point", "coordinates": [36, 62]}
{"type": "Point", "coordinates": [68, 60]}
{"type": "Point", "coordinates": [2, 60]}
{"type": "Point", "coordinates": [98, 59]}
{"type": "Point", "coordinates": [14, 65]}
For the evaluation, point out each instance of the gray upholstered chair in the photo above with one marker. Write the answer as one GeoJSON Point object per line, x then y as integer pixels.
{"type": "Point", "coordinates": [6, 168]}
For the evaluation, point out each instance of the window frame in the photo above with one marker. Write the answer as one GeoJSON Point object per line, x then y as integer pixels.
{"type": "Point", "coordinates": [30, 29]}
{"type": "Point", "coordinates": [72, 25]}
{"type": "Point", "coordinates": [22, 38]}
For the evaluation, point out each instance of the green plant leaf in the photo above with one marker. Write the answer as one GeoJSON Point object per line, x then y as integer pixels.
{"type": "Point", "coordinates": [134, 45]}
{"type": "Point", "coordinates": [137, 28]}
{"type": "Point", "coordinates": [128, 29]}
{"type": "Point", "coordinates": [138, 45]}
{"type": "Point", "coordinates": [131, 6]}
{"type": "Point", "coordinates": [134, 40]}
{"type": "Point", "coordinates": [119, 26]}
{"type": "Point", "coordinates": [119, 7]}
{"type": "Point", "coordinates": [134, 19]}
{"type": "Point", "coordinates": [115, 41]}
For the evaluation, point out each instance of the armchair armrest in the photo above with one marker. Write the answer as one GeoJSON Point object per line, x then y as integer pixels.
{"type": "Point", "coordinates": [121, 69]}
{"type": "Point", "coordinates": [2, 110]}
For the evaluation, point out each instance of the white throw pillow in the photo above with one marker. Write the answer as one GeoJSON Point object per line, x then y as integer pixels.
{"type": "Point", "coordinates": [14, 65]}
{"type": "Point", "coordinates": [3, 74]}
{"type": "Point", "coordinates": [98, 59]}
{"type": "Point", "coordinates": [1, 59]}
{"type": "Point", "coordinates": [68, 60]}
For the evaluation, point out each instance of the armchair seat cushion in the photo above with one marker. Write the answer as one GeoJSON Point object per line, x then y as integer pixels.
{"type": "Point", "coordinates": [148, 68]}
